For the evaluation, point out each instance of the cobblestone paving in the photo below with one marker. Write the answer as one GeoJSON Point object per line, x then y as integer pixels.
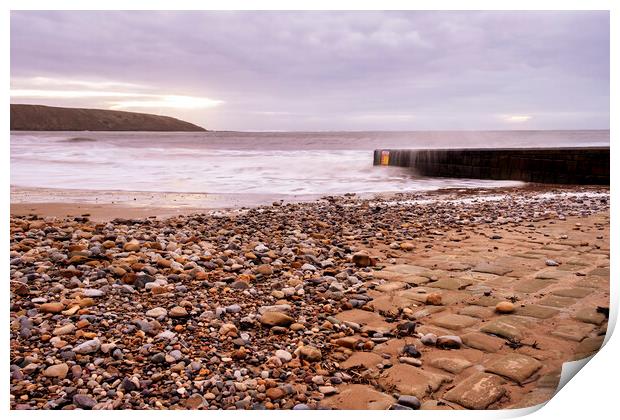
{"type": "Point", "coordinates": [507, 360]}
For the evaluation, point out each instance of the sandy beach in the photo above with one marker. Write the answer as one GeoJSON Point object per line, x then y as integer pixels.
{"type": "Point", "coordinates": [108, 205]}
{"type": "Point", "coordinates": [454, 299]}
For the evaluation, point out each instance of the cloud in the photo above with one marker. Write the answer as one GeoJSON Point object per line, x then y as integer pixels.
{"type": "Point", "coordinates": [323, 70]}
{"type": "Point", "coordinates": [516, 118]}
{"type": "Point", "coordinates": [167, 101]}
{"type": "Point", "coordinates": [134, 95]}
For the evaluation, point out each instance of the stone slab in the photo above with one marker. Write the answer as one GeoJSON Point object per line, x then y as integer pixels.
{"type": "Point", "coordinates": [391, 286]}
{"type": "Point", "coordinates": [590, 316]}
{"type": "Point", "coordinates": [477, 392]}
{"type": "Point", "coordinates": [407, 270]}
{"type": "Point", "coordinates": [536, 311]}
{"type": "Point", "coordinates": [573, 332]}
{"type": "Point", "coordinates": [501, 282]}
{"type": "Point", "coordinates": [454, 322]}
{"type": "Point", "coordinates": [492, 268]}
{"type": "Point", "coordinates": [533, 285]}
{"type": "Point", "coordinates": [370, 321]}
{"type": "Point", "coordinates": [601, 272]}
{"type": "Point", "coordinates": [482, 342]}
{"type": "Point", "coordinates": [481, 312]}
{"type": "Point", "coordinates": [507, 327]}
{"type": "Point", "coordinates": [410, 380]}
{"type": "Point", "coordinates": [552, 273]}
{"type": "Point", "coordinates": [593, 282]}
{"type": "Point", "coordinates": [588, 346]}
{"type": "Point", "coordinates": [362, 359]}
{"type": "Point", "coordinates": [451, 283]}
{"type": "Point", "coordinates": [517, 367]}
{"type": "Point", "coordinates": [572, 292]}
{"type": "Point", "coordinates": [358, 397]}
{"type": "Point", "coordinates": [485, 301]}
{"type": "Point", "coordinates": [451, 364]}
{"type": "Point", "coordinates": [557, 301]}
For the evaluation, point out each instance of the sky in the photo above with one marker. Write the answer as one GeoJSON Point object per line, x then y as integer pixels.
{"type": "Point", "coordinates": [316, 71]}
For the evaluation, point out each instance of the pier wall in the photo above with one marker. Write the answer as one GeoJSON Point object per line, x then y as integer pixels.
{"type": "Point", "coordinates": [579, 165]}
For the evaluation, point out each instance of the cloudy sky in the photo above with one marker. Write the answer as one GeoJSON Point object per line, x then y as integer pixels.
{"type": "Point", "coordinates": [321, 70]}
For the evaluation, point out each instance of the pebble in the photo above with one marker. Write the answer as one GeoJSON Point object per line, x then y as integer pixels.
{"type": "Point", "coordinates": [178, 312]}
{"type": "Point", "coordinates": [449, 342]}
{"type": "Point", "coordinates": [410, 401]}
{"type": "Point", "coordinates": [233, 309]}
{"type": "Point", "coordinates": [362, 259]}
{"type": "Point", "coordinates": [87, 347]}
{"type": "Point", "coordinates": [328, 390]}
{"type": "Point", "coordinates": [505, 307]}
{"type": "Point", "coordinates": [273, 318]}
{"type": "Point", "coordinates": [229, 330]}
{"type": "Point", "coordinates": [264, 269]}
{"type": "Point", "coordinates": [131, 246]}
{"type": "Point", "coordinates": [429, 339]}
{"type": "Point", "coordinates": [407, 246]}
{"type": "Point", "coordinates": [399, 407]}
{"type": "Point", "coordinates": [275, 394]}
{"type": "Point", "coordinates": [284, 356]}
{"type": "Point", "coordinates": [310, 353]}
{"type": "Point", "coordinates": [84, 401]}
{"type": "Point", "coordinates": [433, 299]}
{"type": "Point", "coordinates": [410, 361]}
{"type": "Point", "coordinates": [410, 350]}
{"type": "Point", "coordinates": [52, 308]}
{"type": "Point", "coordinates": [64, 330]}
{"type": "Point", "coordinates": [157, 312]}
{"type": "Point", "coordinates": [93, 293]}
{"type": "Point", "coordinates": [57, 371]}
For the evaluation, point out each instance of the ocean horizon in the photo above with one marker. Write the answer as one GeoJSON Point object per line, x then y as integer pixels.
{"type": "Point", "coordinates": [289, 163]}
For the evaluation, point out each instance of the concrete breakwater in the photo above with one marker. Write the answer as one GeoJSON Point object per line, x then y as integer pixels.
{"type": "Point", "coordinates": [576, 165]}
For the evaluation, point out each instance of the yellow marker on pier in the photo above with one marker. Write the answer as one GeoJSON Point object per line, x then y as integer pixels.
{"type": "Point", "coordinates": [385, 157]}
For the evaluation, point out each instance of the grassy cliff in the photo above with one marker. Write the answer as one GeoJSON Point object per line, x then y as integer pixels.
{"type": "Point", "coordinates": [49, 118]}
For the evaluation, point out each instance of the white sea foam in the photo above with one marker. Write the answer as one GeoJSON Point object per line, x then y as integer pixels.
{"type": "Point", "coordinates": [249, 163]}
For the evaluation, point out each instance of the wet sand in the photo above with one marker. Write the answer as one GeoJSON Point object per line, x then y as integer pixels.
{"type": "Point", "coordinates": [455, 299]}
{"type": "Point", "coordinates": [109, 205]}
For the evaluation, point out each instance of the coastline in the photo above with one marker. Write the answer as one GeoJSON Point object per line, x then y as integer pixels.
{"type": "Point", "coordinates": [105, 205]}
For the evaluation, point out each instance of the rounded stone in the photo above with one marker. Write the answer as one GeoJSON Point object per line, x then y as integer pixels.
{"type": "Point", "coordinates": [410, 401]}
{"type": "Point", "coordinates": [407, 246]}
{"type": "Point", "coordinates": [57, 371]}
{"type": "Point", "coordinates": [362, 259]}
{"type": "Point", "coordinates": [87, 347]}
{"type": "Point", "coordinates": [178, 312]}
{"type": "Point", "coordinates": [52, 307]}
{"type": "Point", "coordinates": [309, 353]}
{"type": "Point", "coordinates": [132, 246]}
{"type": "Point", "coordinates": [275, 393]}
{"type": "Point", "coordinates": [433, 299]}
{"type": "Point", "coordinates": [505, 307]}
{"type": "Point", "coordinates": [429, 339]}
{"type": "Point", "coordinates": [284, 356]}
{"type": "Point", "coordinates": [449, 342]}
{"type": "Point", "coordinates": [84, 401]}
{"type": "Point", "coordinates": [264, 269]}
{"type": "Point", "coordinates": [156, 312]}
{"type": "Point", "coordinates": [273, 318]}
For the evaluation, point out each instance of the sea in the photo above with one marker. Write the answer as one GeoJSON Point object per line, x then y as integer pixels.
{"type": "Point", "coordinates": [288, 163]}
